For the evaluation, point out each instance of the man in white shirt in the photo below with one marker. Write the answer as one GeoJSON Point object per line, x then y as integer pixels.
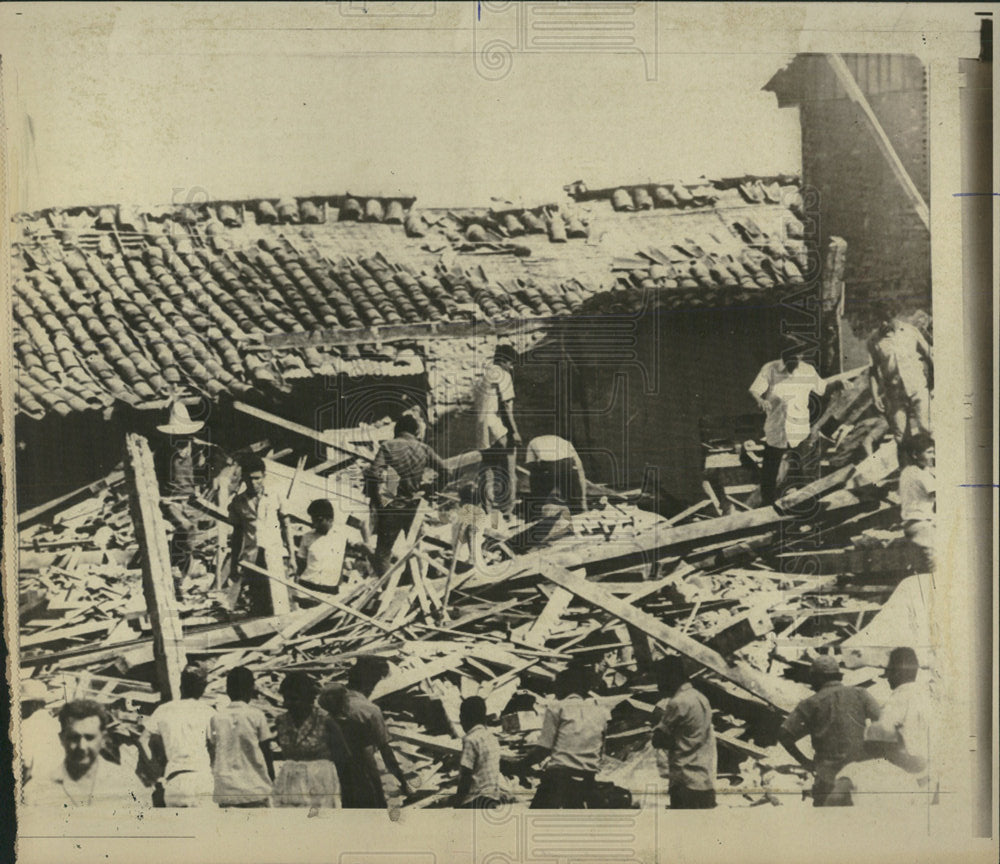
{"type": "Point", "coordinates": [258, 537]}
{"type": "Point", "coordinates": [782, 389]}
{"type": "Point", "coordinates": [556, 473]}
{"type": "Point", "coordinates": [898, 744]}
{"type": "Point", "coordinates": [916, 497]}
{"type": "Point", "coordinates": [85, 778]}
{"type": "Point", "coordinates": [181, 740]}
{"type": "Point", "coordinates": [321, 551]}
{"type": "Point", "coordinates": [497, 435]}
{"type": "Point", "coordinates": [572, 739]}
{"type": "Point", "coordinates": [40, 751]}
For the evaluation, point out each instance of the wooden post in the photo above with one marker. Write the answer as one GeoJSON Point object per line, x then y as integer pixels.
{"type": "Point", "coordinates": [157, 579]}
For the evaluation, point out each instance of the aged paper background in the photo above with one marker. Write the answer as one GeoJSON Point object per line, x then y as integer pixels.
{"type": "Point", "coordinates": [185, 63]}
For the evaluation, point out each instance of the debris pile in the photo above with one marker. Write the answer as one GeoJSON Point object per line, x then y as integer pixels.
{"type": "Point", "coordinates": [748, 594]}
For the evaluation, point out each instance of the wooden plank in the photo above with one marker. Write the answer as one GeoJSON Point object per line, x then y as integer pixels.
{"type": "Point", "coordinates": [157, 578]}
{"type": "Point", "coordinates": [75, 631]}
{"type": "Point", "coordinates": [540, 628]}
{"type": "Point", "coordinates": [424, 332]}
{"type": "Point", "coordinates": [738, 673]}
{"type": "Point", "coordinates": [299, 429]}
{"type": "Point", "coordinates": [421, 672]}
{"type": "Point", "coordinates": [140, 651]}
{"type": "Point", "coordinates": [856, 95]}
{"type": "Point", "coordinates": [30, 517]}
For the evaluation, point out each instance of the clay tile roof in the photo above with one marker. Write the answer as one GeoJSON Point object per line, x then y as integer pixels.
{"type": "Point", "coordinates": [100, 317]}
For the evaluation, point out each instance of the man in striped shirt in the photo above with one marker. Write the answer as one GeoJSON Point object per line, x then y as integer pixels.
{"type": "Point", "coordinates": [394, 508]}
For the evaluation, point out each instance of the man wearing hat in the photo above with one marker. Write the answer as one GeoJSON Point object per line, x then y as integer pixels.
{"type": "Point", "coordinates": [181, 742]}
{"type": "Point", "coordinates": [178, 481]}
{"type": "Point", "coordinates": [834, 717]}
{"type": "Point", "coordinates": [39, 732]}
{"type": "Point", "coordinates": [497, 435]}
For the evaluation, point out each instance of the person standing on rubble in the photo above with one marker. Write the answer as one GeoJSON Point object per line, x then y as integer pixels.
{"type": "Point", "coordinates": [835, 717]}
{"type": "Point", "coordinates": [916, 498]}
{"type": "Point", "coordinates": [85, 778]}
{"type": "Point", "coordinates": [556, 475]}
{"type": "Point", "coordinates": [684, 732]}
{"type": "Point", "coordinates": [258, 537]}
{"type": "Point", "coordinates": [783, 389]}
{"type": "Point", "coordinates": [367, 727]}
{"type": "Point", "coordinates": [320, 554]}
{"type": "Point", "coordinates": [572, 739]}
{"type": "Point", "coordinates": [901, 366]}
{"type": "Point", "coordinates": [409, 458]}
{"type": "Point", "coordinates": [181, 467]}
{"type": "Point", "coordinates": [497, 435]}
{"type": "Point", "coordinates": [181, 743]}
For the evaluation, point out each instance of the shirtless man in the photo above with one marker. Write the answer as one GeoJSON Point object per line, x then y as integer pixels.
{"type": "Point", "coordinates": [901, 363]}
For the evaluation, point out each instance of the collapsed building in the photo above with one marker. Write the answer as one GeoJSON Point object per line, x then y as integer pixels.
{"type": "Point", "coordinates": [298, 328]}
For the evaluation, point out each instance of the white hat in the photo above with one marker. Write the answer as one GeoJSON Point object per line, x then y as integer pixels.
{"type": "Point", "coordinates": [180, 422]}
{"type": "Point", "coordinates": [33, 690]}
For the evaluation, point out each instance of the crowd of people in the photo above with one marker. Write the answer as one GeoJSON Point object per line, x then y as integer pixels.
{"type": "Point", "coordinates": [335, 748]}
{"type": "Point", "coordinates": [788, 390]}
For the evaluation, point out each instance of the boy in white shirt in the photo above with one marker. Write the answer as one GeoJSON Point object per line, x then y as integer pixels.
{"type": "Point", "coordinates": [321, 551]}
{"type": "Point", "coordinates": [916, 497]}
{"type": "Point", "coordinates": [479, 775]}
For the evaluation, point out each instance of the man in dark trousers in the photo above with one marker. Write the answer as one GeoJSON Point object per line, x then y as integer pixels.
{"type": "Point", "coordinates": [684, 732]}
{"type": "Point", "coordinates": [257, 515]}
{"type": "Point", "coordinates": [572, 739]}
{"type": "Point", "coordinates": [408, 457]}
{"type": "Point", "coordinates": [834, 717]}
{"type": "Point", "coordinates": [497, 435]}
{"type": "Point", "coordinates": [783, 389]}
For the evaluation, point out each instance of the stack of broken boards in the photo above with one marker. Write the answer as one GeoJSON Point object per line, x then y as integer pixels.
{"type": "Point", "coordinates": [740, 596]}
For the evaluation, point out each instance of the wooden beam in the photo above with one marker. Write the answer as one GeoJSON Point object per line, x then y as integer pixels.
{"type": "Point", "coordinates": [138, 651]}
{"type": "Point", "coordinates": [764, 688]}
{"type": "Point", "coordinates": [157, 577]}
{"type": "Point", "coordinates": [423, 332]}
{"type": "Point", "coordinates": [326, 437]}
{"type": "Point", "coordinates": [29, 517]}
{"type": "Point", "coordinates": [855, 94]}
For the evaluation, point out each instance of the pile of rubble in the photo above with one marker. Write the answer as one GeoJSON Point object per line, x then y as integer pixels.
{"type": "Point", "coordinates": [748, 595]}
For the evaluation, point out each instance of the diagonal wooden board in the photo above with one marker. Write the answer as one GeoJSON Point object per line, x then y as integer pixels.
{"type": "Point", "coordinates": [784, 696]}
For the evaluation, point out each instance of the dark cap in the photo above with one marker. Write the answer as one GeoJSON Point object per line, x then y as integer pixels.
{"type": "Point", "coordinates": [826, 667]}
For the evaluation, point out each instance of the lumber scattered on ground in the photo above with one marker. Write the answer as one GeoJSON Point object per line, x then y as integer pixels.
{"type": "Point", "coordinates": [747, 596]}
